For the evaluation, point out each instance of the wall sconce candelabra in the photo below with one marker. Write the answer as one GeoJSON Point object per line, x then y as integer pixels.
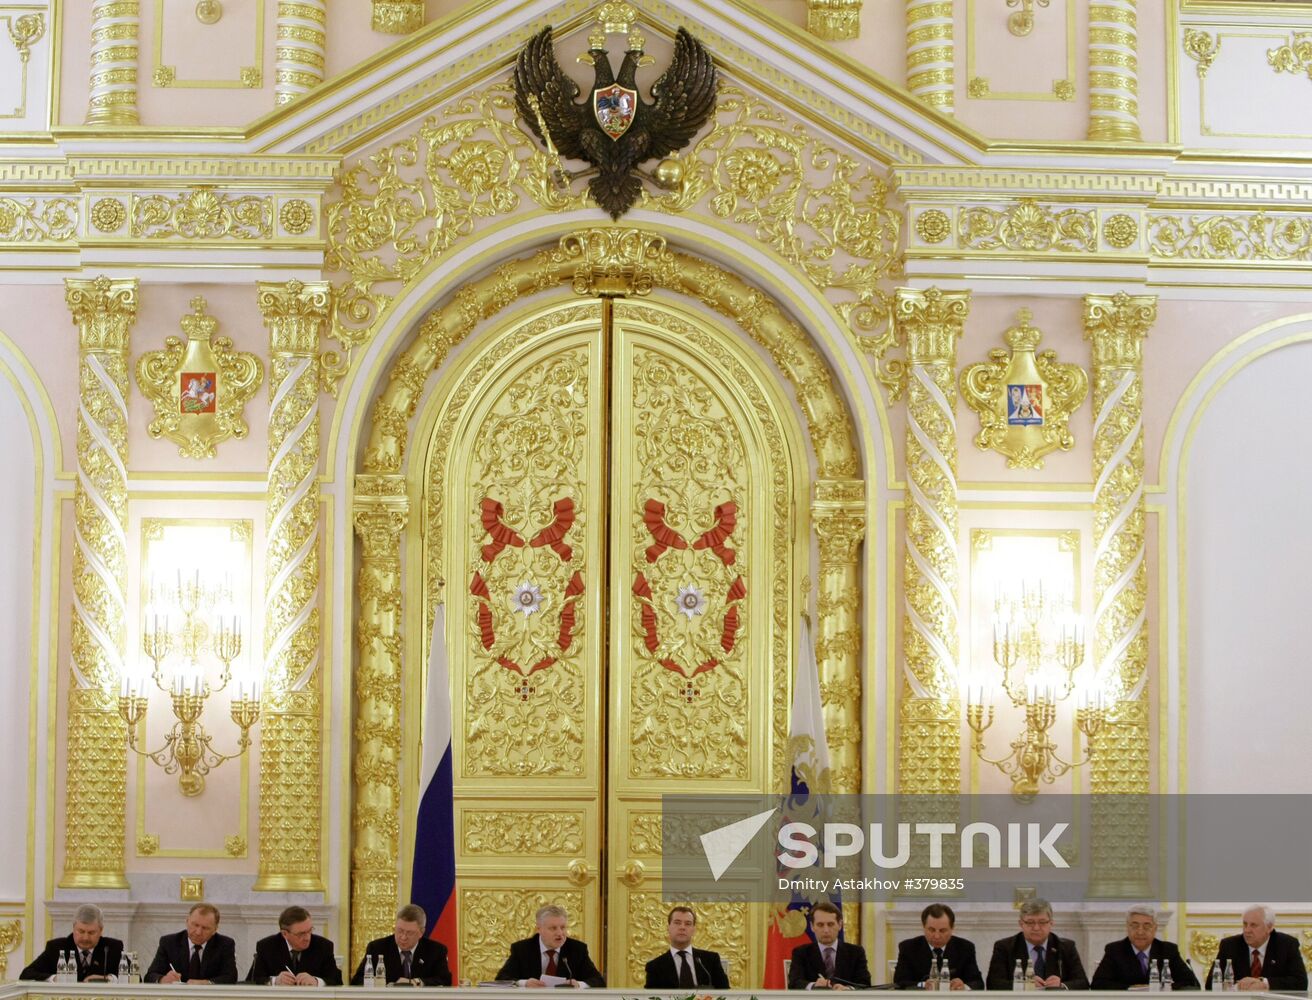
{"type": "Point", "coordinates": [1021, 23]}
{"type": "Point", "coordinates": [1038, 644]}
{"type": "Point", "coordinates": [195, 621]}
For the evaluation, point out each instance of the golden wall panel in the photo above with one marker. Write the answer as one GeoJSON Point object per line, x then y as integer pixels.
{"type": "Point", "coordinates": [503, 916]}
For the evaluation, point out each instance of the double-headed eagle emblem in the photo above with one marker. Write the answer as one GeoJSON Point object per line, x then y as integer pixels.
{"type": "Point", "coordinates": [615, 129]}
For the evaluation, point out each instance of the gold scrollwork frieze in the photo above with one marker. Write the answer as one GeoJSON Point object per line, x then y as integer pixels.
{"type": "Point", "coordinates": [1248, 236]}
{"type": "Point", "coordinates": [202, 213]}
{"type": "Point", "coordinates": [38, 220]}
{"type": "Point", "coordinates": [1295, 56]}
{"type": "Point", "coordinates": [1027, 227]}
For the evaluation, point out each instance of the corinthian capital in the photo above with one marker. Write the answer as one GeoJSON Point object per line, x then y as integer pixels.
{"type": "Point", "coordinates": [929, 323]}
{"type": "Point", "coordinates": [1117, 325]}
{"type": "Point", "coordinates": [381, 510]}
{"type": "Point", "coordinates": [295, 313]}
{"type": "Point", "coordinates": [103, 310]}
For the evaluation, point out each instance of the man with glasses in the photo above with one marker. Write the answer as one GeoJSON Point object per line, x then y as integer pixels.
{"type": "Point", "coordinates": [1048, 961]}
{"type": "Point", "coordinates": [295, 956]}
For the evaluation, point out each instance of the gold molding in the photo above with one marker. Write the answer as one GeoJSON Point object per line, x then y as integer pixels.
{"type": "Point", "coordinates": [223, 381]}
{"type": "Point", "coordinates": [114, 43]}
{"type": "Point", "coordinates": [24, 30]}
{"type": "Point", "coordinates": [980, 88]}
{"type": "Point", "coordinates": [834, 20]}
{"type": "Point", "coordinates": [201, 213]}
{"type": "Point", "coordinates": [249, 77]}
{"type": "Point", "coordinates": [397, 17]}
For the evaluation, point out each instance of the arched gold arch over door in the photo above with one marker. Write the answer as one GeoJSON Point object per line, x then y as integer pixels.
{"type": "Point", "coordinates": [615, 508]}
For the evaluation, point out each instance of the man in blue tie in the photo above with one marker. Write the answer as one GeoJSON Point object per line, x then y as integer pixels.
{"type": "Point", "coordinates": [1049, 961]}
{"type": "Point", "coordinates": [1125, 963]}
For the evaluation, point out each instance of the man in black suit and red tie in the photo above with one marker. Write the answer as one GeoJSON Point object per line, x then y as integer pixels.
{"type": "Point", "coordinates": [295, 956]}
{"type": "Point", "coordinates": [196, 954]}
{"type": "Point", "coordinates": [1263, 958]}
{"type": "Point", "coordinates": [407, 956]}
{"type": "Point", "coordinates": [828, 963]}
{"type": "Point", "coordinates": [937, 945]}
{"type": "Point", "coordinates": [683, 966]}
{"type": "Point", "coordinates": [1126, 962]}
{"type": "Point", "coordinates": [97, 956]}
{"type": "Point", "coordinates": [551, 952]}
{"type": "Point", "coordinates": [1049, 961]}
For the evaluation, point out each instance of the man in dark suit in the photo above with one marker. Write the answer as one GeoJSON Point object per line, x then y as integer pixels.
{"type": "Point", "coordinates": [407, 956]}
{"type": "Point", "coordinates": [551, 952]}
{"type": "Point", "coordinates": [1262, 957]}
{"type": "Point", "coordinates": [1126, 962]}
{"type": "Point", "coordinates": [828, 963]}
{"type": "Point", "coordinates": [1048, 960]}
{"type": "Point", "coordinates": [937, 945]}
{"type": "Point", "coordinates": [198, 954]}
{"type": "Point", "coordinates": [97, 956]}
{"type": "Point", "coordinates": [683, 966]}
{"type": "Point", "coordinates": [295, 956]}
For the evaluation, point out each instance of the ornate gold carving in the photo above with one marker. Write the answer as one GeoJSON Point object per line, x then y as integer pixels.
{"type": "Point", "coordinates": [108, 215]}
{"type": "Point", "coordinates": [412, 201]}
{"type": "Point", "coordinates": [38, 220]}
{"type": "Point", "coordinates": [1203, 948]}
{"type": "Point", "coordinates": [290, 779]}
{"type": "Point", "coordinates": [1064, 90]}
{"type": "Point", "coordinates": [234, 846]}
{"type": "Point", "coordinates": [1121, 231]}
{"type": "Point", "coordinates": [525, 832]}
{"type": "Point", "coordinates": [296, 216]}
{"type": "Point", "coordinates": [251, 77]}
{"type": "Point", "coordinates": [930, 52]}
{"type": "Point", "coordinates": [930, 323]}
{"type": "Point", "coordinates": [1021, 23]}
{"type": "Point", "coordinates": [25, 31]}
{"type": "Point", "coordinates": [202, 214]}
{"type": "Point", "coordinates": [209, 11]}
{"type": "Point", "coordinates": [380, 514]}
{"type": "Point", "coordinates": [645, 834]}
{"type": "Point", "coordinates": [1295, 56]}
{"type": "Point", "coordinates": [164, 76]}
{"type": "Point", "coordinates": [1235, 237]}
{"type": "Point", "coordinates": [191, 888]}
{"type": "Point", "coordinates": [301, 48]}
{"type": "Point", "coordinates": [978, 87]}
{"type": "Point", "coordinates": [113, 92]}
{"type": "Point", "coordinates": [1024, 429]}
{"type": "Point", "coordinates": [103, 311]}
{"type": "Point", "coordinates": [616, 261]}
{"type": "Point", "coordinates": [397, 17]}
{"type": "Point", "coordinates": [507, 916]}
{"type": "Point", "coordinates": [11, 936]}
{"type": "Point", "coordinates": [837, 20]}
{"type": "Point", "coordinates": [148, 844]}
{"type": "Point", "coordinates": [1027, 226]}
{"type": "Point", "coordinates": [933, 226]}
{"type": "Point", "coordinates": [1203, 49]}
{"type": "Point", "coordinates": [1117, 326]}
{"type": "Point", "coordinates": [199, 386]}
{"type": "Point", "coordinates": [1113, 70]}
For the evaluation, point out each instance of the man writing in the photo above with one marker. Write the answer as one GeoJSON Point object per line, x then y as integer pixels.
{"type": "Point", "coordinates": [683, 966]}
{"type": "Point", "coordinates": [828, 963]}
{"type": "Point", "coordinates": [1125, 963]}
{"type": "Point", "coordinates": [551, 952]}
{"type": "Point", "coordinates": [407, 956]}
{"type": "Point", "coordinates": [198, 954]}
{"type": "Point", "coordinates": [1265, 958]}
{"type": "Point", "coordinates": [295, 956]}
{"type": "Point", "coordinates": [917, 957]}
{"type": "Point", "coordinates": [97, 956]}
{"type": "Point", "coordinates": [1052, 962]}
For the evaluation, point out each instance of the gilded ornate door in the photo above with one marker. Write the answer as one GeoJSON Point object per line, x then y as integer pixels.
{"type": "Point", "coordinates": [612, 504]}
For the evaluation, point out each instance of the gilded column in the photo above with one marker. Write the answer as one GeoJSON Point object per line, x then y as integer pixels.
{"type": "Point", "coordinates": [929, 324]}
{"type": "Point", "coordinates": [114, 28]}
{"type": "Point", "coordinates": [302, 43]}
{"type": "Point", "coordinates": [381, 510]}
{"type": "Point", "coordinates": [1117, 325]}
{"type": "Point", "coordinates": [835, 20]}
{"type": "Point", "coordinates": [398, 17]}
{"type": "Point", "coordinates": [930, 74]}
{"type": "Point", "coordinates": [97, 752]}
{"type": "Point", "coordinates": [290, 765]}
{"type": "Point", "coordinates": [1113, 70]}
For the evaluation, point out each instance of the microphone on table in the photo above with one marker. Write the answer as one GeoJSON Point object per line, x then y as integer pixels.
{"type": "Point", "coordinates": [565, 962]}
{"type": "Point", "coordinates": [698, 959]}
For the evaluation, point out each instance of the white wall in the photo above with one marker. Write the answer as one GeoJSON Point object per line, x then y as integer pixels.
{"type": "Point", "coordinates": [1248, 551]}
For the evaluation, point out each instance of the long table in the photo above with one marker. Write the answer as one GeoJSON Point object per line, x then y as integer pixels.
{"type": "Point", "coordinates": [153, 991]}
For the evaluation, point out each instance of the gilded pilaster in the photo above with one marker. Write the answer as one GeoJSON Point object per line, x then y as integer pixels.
{"type": "Point", "coordinates": [930, 56]}
{"type": "Point", "coordinates": [103, 311]}
{"type": "Point", "coordinates": [296, 314]}
{"type": "Point", "coordinates": [398, 17]}
{"type": "Point", "coordinates": [1117, 325]}
{"type": "Point", "coordinates": [929, 323]}
{"type": "Point", "coordinates": [114, 29]}
{"type": "Point", "coordinates": [835, 20]}
{"type": "Point", "coordinates": [1113, 70]}
{"type": "Point", "coordinates": [302, 44]}
{"type": "Point", "coordinates": [381, 510]}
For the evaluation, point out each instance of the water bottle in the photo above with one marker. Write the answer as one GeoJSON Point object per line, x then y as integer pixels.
{"type": "Point", "coordinates": [124, 968]}
{"type": "Point", "coordinates": [1216, 976]}
{"type": "Point", "coordinates": [368, 972]}
{"type": "Point", "coordinates": [1018, 977]}
{"type": "Point", "coordinates": [1154, 978]}
{"type": "Point", "coordinates": [1228, 977]}
{"type": "Point", "coordinates": [944, 975]}
{"type": "Point", "coordinates": [61, 969]}
{"type": "Point", "coordinates": [1166, 976]}
{"type": "Point", "coordinates": [136, 967]}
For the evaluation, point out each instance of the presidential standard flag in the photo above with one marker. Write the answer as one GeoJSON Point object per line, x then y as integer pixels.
{"type": "Point", "coordinates": [790, 925]}
{"type": "Point", "coordinates": [433, 877]}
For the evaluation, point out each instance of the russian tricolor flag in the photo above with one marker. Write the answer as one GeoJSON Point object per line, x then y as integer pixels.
{"type": "Point", "coordinates": [433, 878]}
